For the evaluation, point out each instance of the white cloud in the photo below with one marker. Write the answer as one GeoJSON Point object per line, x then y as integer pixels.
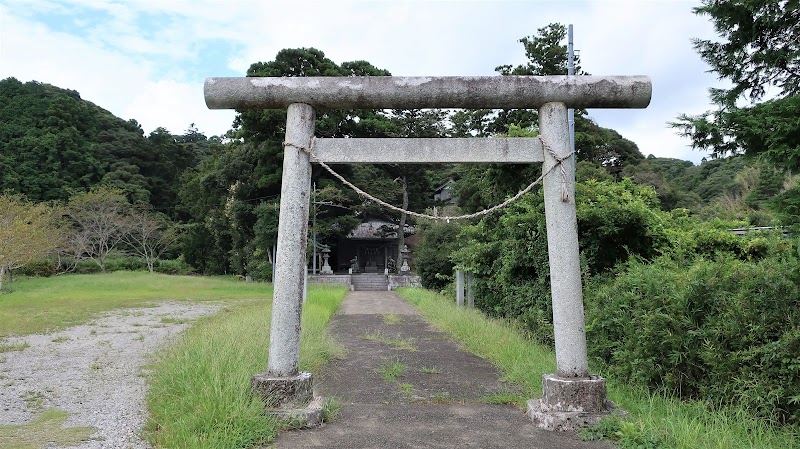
{"type": "Point", "coordinates": [146, 59]}
{"type": "Point", "coordinates": [31, 51]}
{"type": "Point", "coordinates": [175, 106]}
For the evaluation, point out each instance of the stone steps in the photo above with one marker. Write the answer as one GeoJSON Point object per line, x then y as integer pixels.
{"type": "Point", "coordinates": [370, 282]}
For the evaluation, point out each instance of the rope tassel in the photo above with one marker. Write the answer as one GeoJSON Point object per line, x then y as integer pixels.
{"type": "Point", "coordinates": [564, 191]}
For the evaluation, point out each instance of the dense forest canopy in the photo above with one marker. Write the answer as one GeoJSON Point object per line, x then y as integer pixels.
{"type": "Point", "coordinates": [54, 144]}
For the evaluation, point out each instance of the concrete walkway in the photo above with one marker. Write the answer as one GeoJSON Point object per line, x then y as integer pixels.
{"type": "Point", "coordinates": [438, 399]}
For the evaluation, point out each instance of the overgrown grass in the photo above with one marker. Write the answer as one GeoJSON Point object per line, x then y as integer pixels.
{"type": "Point", "coordinates": [654, 421]}
{"type": "Point", "coordinates": [199, 394]}
{"type": "Point", "coordinates": [40, 305]}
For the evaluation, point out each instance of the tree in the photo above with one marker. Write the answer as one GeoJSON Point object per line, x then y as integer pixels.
{"type": "Point", "coordinates": [127, 178]}
{"type": "Point", "coordinates": [235, 192]}
{"type": "Point", "coordinates": [148, 235]}
{"type": "Point", "coordinates": [28, 231]}
{"type": "Point", "coordinates": [483, 185]}
{"type": "Point", "coordinates": [507, 250]}
{"type": "Point", "coordinates": [759, 48]}
{"type": "Point", "coordinates": [417, 124]}
{"type": "Point", "coordinates": [604, 146]}
{"type": "Point", "coordinates": [165, 159]}
{"type": "Point", "coordinates": [546, 53]}
{"type": "Point", "coordinates": [200, 145]}
{"type": "Point", "coordinates": [99, 223]}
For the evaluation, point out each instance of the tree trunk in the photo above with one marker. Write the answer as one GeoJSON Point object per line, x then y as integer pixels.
{"type": "Point", "coordinates": [401, 230]}
{"type": "Point", "coordinates": [2, 275]}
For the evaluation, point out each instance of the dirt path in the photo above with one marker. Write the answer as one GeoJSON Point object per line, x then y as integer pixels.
{"type": "Point", "coordinates": [94, 372]}
{"type": "Point", "coordinates": [439, 397]}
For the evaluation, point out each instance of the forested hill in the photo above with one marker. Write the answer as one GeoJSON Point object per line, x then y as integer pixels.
{"type": "Point", "coordinates": [53, 143]}
{"type": "Point", "coordinates": [738, 187]}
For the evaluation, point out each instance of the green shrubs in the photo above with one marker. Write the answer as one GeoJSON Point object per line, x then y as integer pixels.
{"type": "Point", "coordinates": [616, 220]}
{"type": "Point", "coordinates": [432, 259]}
{"type": "Point", "coordinates": [260, 268]}
{"type": "Point", "coordinates": [51, 267]}
{"type": "Point", "coordinates": [86, 267]}
{"type": "Point", "coordinates": [125, 263]}
{"type": "Point", "coordinates": [724, 330]}
{"type": "Point", "coordinates": [654, 421]}
{"type": "Point", "coordinates": [175, 266]}
{"type": "Point", "coordinates": [508, 253]}
{"type": "Point", "coordinates": [41, 267]}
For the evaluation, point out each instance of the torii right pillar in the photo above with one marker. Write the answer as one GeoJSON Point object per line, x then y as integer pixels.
{"type": "Point", "coordinates": [571, 397]}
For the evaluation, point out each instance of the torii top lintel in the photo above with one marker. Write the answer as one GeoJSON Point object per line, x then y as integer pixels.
{"type": "Point", "coordinates": [400, 92]}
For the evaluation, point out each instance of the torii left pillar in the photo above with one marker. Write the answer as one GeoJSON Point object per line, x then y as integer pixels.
{"type": "Point", "coordinates": [289, 392]}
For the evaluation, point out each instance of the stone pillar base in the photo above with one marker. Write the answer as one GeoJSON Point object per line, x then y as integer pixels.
{"type": "Point", "coordinates": [300, 418]}
{"type": "Point", "coordinates": [568, 404]}
{"type": "Point", "coordinates": [290, 399]}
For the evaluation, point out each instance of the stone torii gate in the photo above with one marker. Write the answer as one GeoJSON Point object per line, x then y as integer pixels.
{"type": "Point", "coordinates": [572, 396]}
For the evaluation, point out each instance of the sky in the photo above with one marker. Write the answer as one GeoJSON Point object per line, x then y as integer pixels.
{"type": "Point", "coordinates": [147, 59]}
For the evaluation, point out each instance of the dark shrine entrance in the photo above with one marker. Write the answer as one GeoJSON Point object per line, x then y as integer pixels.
{"type": "Point", "coordinates": [369, 248]}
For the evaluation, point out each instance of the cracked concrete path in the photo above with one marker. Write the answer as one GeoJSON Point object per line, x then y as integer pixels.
{"type": "Point", "coordinates": [404, 384]}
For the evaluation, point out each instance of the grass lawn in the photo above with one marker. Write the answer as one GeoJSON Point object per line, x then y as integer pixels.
{"type": "Point", "coordinates": [199, 394]}
{"type": "Point", "coordinates": [653, 422]}
{"type": "Point", "coordinates": [41, 305]}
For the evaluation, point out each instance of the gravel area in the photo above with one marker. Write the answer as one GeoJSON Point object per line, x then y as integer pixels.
{"type": "Point", "coordinates": [95, 372]}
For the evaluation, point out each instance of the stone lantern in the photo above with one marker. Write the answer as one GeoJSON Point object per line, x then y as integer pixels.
{"type": "Point", "coordinates": [404, 268]}
{"type": "Point", "coordinates": [326, 254]}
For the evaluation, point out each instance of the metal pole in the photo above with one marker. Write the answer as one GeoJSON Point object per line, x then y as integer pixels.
{"type": "Point", "coordinates": [470, 293]}
{"type": "Point", "coordinates": [460, 288]}
{"type": "Point", "coordinates": [570, 111]}
{"type": "Point", "coordinates": [305, 286]}
{"type": "Point", "coordinates": [314, 228]}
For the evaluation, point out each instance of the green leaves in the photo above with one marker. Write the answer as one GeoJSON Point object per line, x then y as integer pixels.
{"type": "Point", "coordinates": [53, 143]}
{"type": "Point", "coordinates": [507, 251]}
{"type": "Point", "coordinates": [28, 231]}
{"type": "Point", "coordinates": [722, 330]}
{"type": "Point", "coordinates": [760, 46]}
{"type": "Point", "coordinates": [759, 49]}
{"type": "Point", "coordinates": [546, 53]}
{"type": "Point", "coordinates": [770, 129]}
